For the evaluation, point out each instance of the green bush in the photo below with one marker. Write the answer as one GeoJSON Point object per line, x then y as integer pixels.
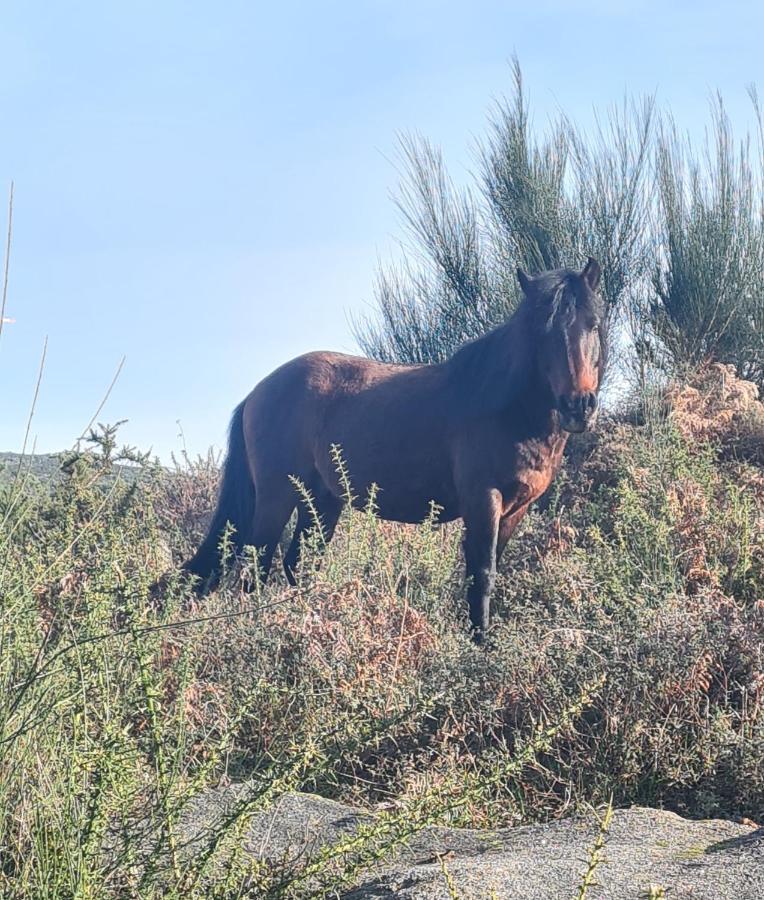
{"type": "Point", "coordinates": [709, 291]}
{"type": "Point", "coordinates": [678, 228]}
{"type": "Point", "coordinates": [627, 660]}
{"type": "Point", "coordinates": [538, 203]}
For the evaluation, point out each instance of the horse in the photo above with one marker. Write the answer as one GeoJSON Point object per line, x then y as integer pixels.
{"type": "Point", "coordinates": [481, 435]}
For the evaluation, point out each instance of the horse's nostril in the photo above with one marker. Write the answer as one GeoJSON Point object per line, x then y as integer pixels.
{"type": "Point", "coordinates": [579, 406]}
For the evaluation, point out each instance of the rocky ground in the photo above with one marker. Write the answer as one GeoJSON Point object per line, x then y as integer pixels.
{"type": "Point", "coordinates": [647, 853]}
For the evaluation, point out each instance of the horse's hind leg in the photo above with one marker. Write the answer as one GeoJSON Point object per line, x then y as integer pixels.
{"type": "Point", "coordinates": [328, 508]}
{"type": "Point", "coordinates": [272, 512]}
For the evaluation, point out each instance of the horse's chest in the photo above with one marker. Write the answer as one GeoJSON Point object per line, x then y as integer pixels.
{"type": "Point", "coordinates": [535, 470]}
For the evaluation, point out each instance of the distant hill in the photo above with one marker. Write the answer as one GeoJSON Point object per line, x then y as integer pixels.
{"type": "Point", "coordinates": [45, 467]}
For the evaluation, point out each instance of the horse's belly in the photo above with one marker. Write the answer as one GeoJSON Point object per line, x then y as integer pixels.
{"type": "Point", "coordinates": [403, 503]}
{"type": "Point", "coordinates": [404, 485]}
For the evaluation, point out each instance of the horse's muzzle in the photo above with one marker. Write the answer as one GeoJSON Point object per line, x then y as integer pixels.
{"type": "Point", "coordinates": [579, 412]}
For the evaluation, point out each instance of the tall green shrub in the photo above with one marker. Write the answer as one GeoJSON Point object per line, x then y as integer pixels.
{"type": "Point", "coordinates": [538, 203]}
{"type": "Point", "coordinates": [677, 227]}
{"type": "Point", "coordinates": [708, 276]}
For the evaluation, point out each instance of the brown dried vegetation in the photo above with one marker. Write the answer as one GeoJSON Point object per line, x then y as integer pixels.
{"type": "Point", "coordinates": [637, 584]}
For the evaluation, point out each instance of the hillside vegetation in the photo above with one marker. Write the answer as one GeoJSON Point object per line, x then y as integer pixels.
{"type": "Point", "coordinates": [626, 662]}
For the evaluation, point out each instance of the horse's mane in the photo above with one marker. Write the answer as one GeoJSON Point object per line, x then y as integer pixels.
{"type": "Point", "coordinates": [496, 370]}
{"type": "Point", "coordinates": [556, 297]}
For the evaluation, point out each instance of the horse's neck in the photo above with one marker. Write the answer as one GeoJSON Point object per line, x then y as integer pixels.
{"type": "Point", "coordinates": [486, 375]}
{"type": "Point", "coordinates": [496, 375]}
{"type": "Point", "coordinates": [526, 399]}
{"type": "Point", "coordinates": [533, 413]}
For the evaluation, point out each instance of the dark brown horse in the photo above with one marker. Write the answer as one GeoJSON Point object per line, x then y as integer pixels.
{"type": "Point", "coordinates": [481, 435]}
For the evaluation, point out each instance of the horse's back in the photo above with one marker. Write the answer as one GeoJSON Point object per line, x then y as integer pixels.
{"type": "Point", "coordinates": [290, 408]}
{"type": "Point", "coordinates": [383, 417]}
{"type": "Point", "coordinates": [320, 377]}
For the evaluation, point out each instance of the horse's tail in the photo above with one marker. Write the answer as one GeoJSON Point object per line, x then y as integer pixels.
{"type": "Point", "coordinates": [236, 505]}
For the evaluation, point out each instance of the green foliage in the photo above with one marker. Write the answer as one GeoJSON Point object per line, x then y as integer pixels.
{"type": "Point", "coordinates": [678, 229]}
{"type": "Point", "coordinates": [539, 203]}
{"type": "Point", "coordinates": [596, 854]}
{"type": "Point", "coordinates": [625, 662]}
{"type": "Point", "coordinates": [709, 292]}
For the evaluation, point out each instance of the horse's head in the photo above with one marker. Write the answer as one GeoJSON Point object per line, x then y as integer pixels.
{"type": "Point", "coordinates": [567, 317]}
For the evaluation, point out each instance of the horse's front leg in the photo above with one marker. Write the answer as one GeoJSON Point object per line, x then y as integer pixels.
{"type": "Point", "coordinates": [481, 522]}
{"type": "Point", "coordinates": [507, 525]}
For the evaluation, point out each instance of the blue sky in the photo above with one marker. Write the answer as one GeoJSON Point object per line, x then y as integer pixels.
{"type": "Point", "coordinates": [205, 188]}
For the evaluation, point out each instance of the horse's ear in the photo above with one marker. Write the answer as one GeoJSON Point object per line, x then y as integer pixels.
{"type": "Point", "coordinates": [525, 281]}
{"type": "Point", "coordinates": [591, 273]}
